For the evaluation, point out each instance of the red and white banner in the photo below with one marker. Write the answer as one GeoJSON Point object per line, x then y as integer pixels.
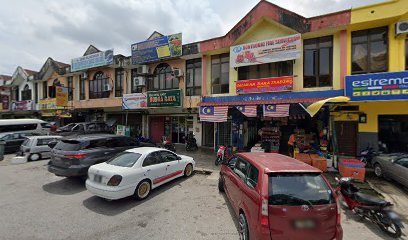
{"type": "Point", "coordinates": [248, 111]}
{"type": "Point", "coordinates": [22, 105]}
{"type": "Point", "coordinates": [273, 110]}
{"type": "Point", "coordinates": [273, 84]}
{"type": "Point", "coordinates": [213, 114]}
{"type": "Point", "coordinates": [271, 50]}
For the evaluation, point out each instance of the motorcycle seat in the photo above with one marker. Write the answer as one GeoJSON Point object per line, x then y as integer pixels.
{"type": "Point", "coordinates": [369, 199]}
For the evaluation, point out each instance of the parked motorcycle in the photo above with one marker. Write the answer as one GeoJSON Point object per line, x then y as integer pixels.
{"type": "Point", "coordinates": [166, 144]}
{"type": "Point", "coordinates": [367, 155]}
{"type": "Point", "coordinates": [222, 153]}
{"type": "Point", "coordinates": [143, 139]}
{"type": "Point", "coordinates": [369, 207]}
{"type": "Point", "coordinates": [191, 143]}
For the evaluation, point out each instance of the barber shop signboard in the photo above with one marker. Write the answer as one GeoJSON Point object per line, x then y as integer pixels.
{"type": "Point", "coordinates": [377, 86]}
{"type": "Point", "coordinates": [171, 98]}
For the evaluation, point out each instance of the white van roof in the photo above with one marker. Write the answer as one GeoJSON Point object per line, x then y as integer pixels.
{"type": "Point", "coordinates": [4, 122]}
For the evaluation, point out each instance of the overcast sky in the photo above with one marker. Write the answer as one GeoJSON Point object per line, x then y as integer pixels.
{"type": "Point", "coordinates": [33, 30]}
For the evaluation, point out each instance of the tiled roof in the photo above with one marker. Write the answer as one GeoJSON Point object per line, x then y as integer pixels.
{"type": "Point", "coordinates": [5, 77]}
{"type": "Point", "coordinates": [30, 72]}
{"type": "Point", "coordinates": [61, 64]}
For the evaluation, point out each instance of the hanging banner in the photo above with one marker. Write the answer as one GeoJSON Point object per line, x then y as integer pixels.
{"type": "Point", "coordinates": [160, 48]}
{"type": "Point", "coordinates": [48, 104]}
{"type": "Point", "coordinates": [92, 60]}
{"type": "Point", "coordinates": [169, 98]}
{"type": "Point", "coordinates": [134, 101]}
{"type": "Point", "coordinates": [214, 114]}
{"type": "Point", "coordinates": [377, 86]}
{"type": "Point", "coordinates": [22, 105]}
{"type": "Point", "coordinates": [273, 110]}
{"type": "Point", "coordinates": [61, 96]}
{"type": "Point", "coordinates": [274, 84]}
{"type": "Point", "coordinates": [271, 50]}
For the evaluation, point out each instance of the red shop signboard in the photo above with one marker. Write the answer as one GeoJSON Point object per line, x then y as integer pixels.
{"type": "Point", "coordinates": [273, 84]}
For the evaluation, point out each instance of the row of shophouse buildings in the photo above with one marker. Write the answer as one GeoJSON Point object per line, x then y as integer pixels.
{"type": "Point", "coordinates": [222, 89]}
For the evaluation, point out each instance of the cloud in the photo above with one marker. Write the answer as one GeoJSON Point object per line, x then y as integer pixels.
{"type": "Point", "coordinates": [32, 31]}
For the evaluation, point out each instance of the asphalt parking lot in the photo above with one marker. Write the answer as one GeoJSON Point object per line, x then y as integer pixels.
{"type": "Point", "coordinates": [35, 204]}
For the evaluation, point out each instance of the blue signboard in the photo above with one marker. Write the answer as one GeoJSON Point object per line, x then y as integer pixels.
{"type": "Point", "coordinates": [92, 60]}
{"type": "Point", "coordinates": [377, 86]}
{"type": "Point", "coordinates": [156, 49]}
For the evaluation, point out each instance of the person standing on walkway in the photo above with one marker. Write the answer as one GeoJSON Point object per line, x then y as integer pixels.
{"type": "Point", "coordinates": [291, 144]}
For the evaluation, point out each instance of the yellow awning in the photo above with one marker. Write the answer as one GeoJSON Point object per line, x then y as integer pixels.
{"type": "Point", "coordinates": [315, 107]}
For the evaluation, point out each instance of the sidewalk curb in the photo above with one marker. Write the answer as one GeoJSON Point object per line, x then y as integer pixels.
{"type": "Point", "coordinates": [203, 171]}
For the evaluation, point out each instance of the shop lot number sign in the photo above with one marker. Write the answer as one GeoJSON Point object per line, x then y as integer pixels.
{"type": "Point", "coordinates": [164, 99]}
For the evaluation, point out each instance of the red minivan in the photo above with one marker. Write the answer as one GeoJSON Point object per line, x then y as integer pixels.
{"type": "Point", "coordinates": [278, 197]}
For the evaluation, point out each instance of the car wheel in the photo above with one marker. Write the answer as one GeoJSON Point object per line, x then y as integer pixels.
{"type": "Point", "coordinates": [34, 157]}
{"type": "Point", "coordinates": [378, 170]}
{"type": "Point", "coordinates": [243, 227]}
{"type": "Point", "coordinates": [188, 170]}
{"type": "Point", "coordinates": [143, 190]}
{"type": "Point", "coordinates": [221, 184]}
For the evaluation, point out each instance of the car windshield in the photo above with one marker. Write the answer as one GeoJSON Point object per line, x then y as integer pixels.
{"type": "Point", "coordinates": [296, 189]}
{"type": "Point", "coordinates": [125, 159]}
{"type": "Point", "coordinates": [3, 136]}
{"type": "Point", "coordinates": [68, 127]}
{"type": "Point", "coordinates": [26, 142]}
{"type": "Point", "coordinates": [69, 145]}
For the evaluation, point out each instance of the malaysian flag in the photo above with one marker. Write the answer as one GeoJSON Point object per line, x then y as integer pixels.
{"type": "Point", "coordinates": [249, 111]}
{"type": "Point", "coordinates": [273, 110]}
{"type": "Point", "coordinates": [213, 114]}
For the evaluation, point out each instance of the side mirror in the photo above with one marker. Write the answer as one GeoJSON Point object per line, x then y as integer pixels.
{"type": "Point", "coordinates": [178, 157]}
{"type": "Point", "coordinates": [52, 144]}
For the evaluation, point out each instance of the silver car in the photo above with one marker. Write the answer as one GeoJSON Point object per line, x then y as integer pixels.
{"type": "Point", "coordinates": [393, 166]}
{"type": "Point", "coordinates": [37, 148]}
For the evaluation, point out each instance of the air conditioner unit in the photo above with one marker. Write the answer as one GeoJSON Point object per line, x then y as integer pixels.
{"type": "Point", "coordinates": [107, 87]}
{"type": "Point", "coordinates": [143, 69]}
{"type": "Point", "coordinates": [84, 75]}
{"type": "Point", "coordinates": [401, 27]}
{"type": "Point", "coordinates": [178, 72]}
{"type": "Point", "coordinates": [139, 81]}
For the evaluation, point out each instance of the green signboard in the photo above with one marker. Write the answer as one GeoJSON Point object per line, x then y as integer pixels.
{"type": "Point", "coordinates": [170, 98]}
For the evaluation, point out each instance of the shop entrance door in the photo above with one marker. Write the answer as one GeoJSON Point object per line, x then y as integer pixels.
{"type": "Point", "coordinates": [346, 133]}
{"type": "Point", "coordinates": [393, 131]}
{"type": "Point", "coordinates": [180, 127]}
{"type": "Point", "coordinates": [156, 129]}
{"type": "Point", "coordinates": [224, 135]}
{"type": "Point", "coordinates": [208, 134]}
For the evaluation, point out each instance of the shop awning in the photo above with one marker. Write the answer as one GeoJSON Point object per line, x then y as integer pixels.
{"type": "Point", "coordinates": [270, 98]}
{"type": "Point", "coordinates": [315, 107]}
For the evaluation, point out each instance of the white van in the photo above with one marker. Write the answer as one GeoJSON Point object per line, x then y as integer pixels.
{"type": "Point", "coordinates": [18, 125]}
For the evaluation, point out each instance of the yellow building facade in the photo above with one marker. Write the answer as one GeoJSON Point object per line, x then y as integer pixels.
{"type": "Point", "coordinates": [378, 110]}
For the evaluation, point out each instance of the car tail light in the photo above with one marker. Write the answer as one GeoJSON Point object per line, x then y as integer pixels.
{"type": "Point", "coordinates": [264, 212]}
{"type": "Point", "coordinates": [115, 180]}
{"type": "Point", "coordinates": [76, 155]}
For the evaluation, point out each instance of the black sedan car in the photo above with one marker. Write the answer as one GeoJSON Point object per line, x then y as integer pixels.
{"type": "Point", "coordinates": [72, 156]}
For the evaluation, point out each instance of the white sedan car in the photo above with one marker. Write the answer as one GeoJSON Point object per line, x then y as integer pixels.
{"type": "Point", "coordinates": [136, 172]}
